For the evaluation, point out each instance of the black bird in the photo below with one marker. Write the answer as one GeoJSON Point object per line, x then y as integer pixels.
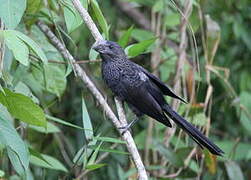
{"type": "Point", "coordinates": [143, 91]}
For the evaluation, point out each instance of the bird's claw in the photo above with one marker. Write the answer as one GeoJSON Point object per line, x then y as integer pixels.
{"type": "Point", "coordinates": [124, 129]}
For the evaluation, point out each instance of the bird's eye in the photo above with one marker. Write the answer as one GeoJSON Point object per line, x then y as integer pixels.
{"type": "Point", "coordinates": [111, 47]}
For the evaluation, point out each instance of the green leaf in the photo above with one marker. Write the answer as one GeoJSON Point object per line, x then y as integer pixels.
{"type": "Point", "coordinates": [93, 54]}
{"type": "Point", "coordinates": [193, 165]}
{"type": "Point", "coordinates": [23, 108]}
{"type": "Point", "coordinates": [141, 35]}
{"type": "Point", "coordinates": [51, 128]}
{"type": "Point", "coordinates": [38, 155]}
{"type": "Point", "coordinates": [16, 148]}
{"type": "Point", "coordinates": [124, 39]}
{"type": "Point", "coordinates": [200, 119]}
{"type": "Point", "coordinates": [17, 46]}
{"type": "Point", "coordinates": [12, 36]}
{"type": "Point", "coordinates": [213, 33]}
{"type": "Point", "coordinates": [49, 77]}
{"type": "Point", "coordinates": [245, 77]}
{"type": "Point", "coordinates": [109, 150]}
{"type": "Point", "coordinates": [25, 90]}
{"type": "Point", "coordinates": [172, 19]}
{"type": "Point", "coordinates": [86, 121]}
{"type": "Point", "coordinates": [109, 139]}
{"type": "Point", "coordinates": [210, 161]}
{"type": "Point", "coordinates": [55, 79]}
{"type": "Point", "coordinates": [158, 6]}
{"type": "Point", "coordinates": [170, 156]}
{"type": "Point", "coordinates": [33, 6]}
{"type": "Point", "coordinates": [100, 18]}
{"type": "Point", "coordinates": [94, 155]}
{"type": "Point", "coordinates": [241, 30]}
{"type": "Point", "coordinates": [72, 18]}
{"type": "Point", "coordinates": [248, 155]}
{"type": "Point", "coordinates": [80, 155]}
{"type": "Point", "coordinates": [11, 12]}
{"type": "Point", "coordinates": [16, 163]}
{"type": "Point", "coordinates": [194, 20]}
{"type": "Point", "coordinates": [2, 173]}
{"type": "Point", "coordinates": [32, 44]}
{"type": "Point", "coordinates": [139, 48]}
{"type": "Point", "coordinates": [62, 122]}
{"type": "Point", "coordinates": [234, 171]}
{"type": "Point", "coordinates": [237, 151]}
{"type": "Point", "coordinates": [245, 99]}
{"type": "Point", "coordinates": [83, 153]}
{"type": "Point", "coordinates": [48, 162]}
{"type": "Point", "coordinates": [169, 65]}
{"type": "Point", "coordinates": [95, 166]}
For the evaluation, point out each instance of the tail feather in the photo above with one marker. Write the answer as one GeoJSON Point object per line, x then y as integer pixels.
{"type": "Point", "coordinates": [195, 134]}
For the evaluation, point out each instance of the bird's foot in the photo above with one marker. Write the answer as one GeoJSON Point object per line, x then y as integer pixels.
{"type": "Point", "coordinates": [127, 127]}
{"type": "Point", "coordinates": [124, 129]}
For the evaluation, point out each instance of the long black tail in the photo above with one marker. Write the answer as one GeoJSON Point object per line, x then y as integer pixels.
{"type": "Point", "coordinates": [197, 136]}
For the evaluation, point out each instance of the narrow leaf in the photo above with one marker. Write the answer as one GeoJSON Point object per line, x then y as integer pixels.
{"type": "Point", "coordinates": [139, 48]}
{"type": "Point", "coordinates": [101, 19]}
{"type": "Point", "coordinates": [62, 122]}
{"type": "Point", "coordinates": [86, 121]}
{"type": "Point", "coordinates": [109, 150]}
{"type": "Point", "coordinates": [234, 171]}
{"type": "Point", "coordinates": [109, 139]}
{"type": "Point", "coordinates": [170, 156]}
{"type": "Point", "coordinates": [95, 166]}
{"type": "Point", "coordinates": [94, 155]}
{"type": "Point", "coordinates": [213, 37]}
{"type": "Point", "coordinates": [50, 128]}
{"type": "Point", "coordinates": [48, 162]}
{"type": "Point", "coordinates": [124, 39]}
{"type": "Point", "coordinates": [38, 155]}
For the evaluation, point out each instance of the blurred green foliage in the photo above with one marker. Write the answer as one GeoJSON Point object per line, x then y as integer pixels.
{"type": "Point", "coordinates": [36, 83]}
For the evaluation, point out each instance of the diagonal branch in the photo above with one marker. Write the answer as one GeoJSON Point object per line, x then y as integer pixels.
{"type": "Point", "coordinates": [93, 89]}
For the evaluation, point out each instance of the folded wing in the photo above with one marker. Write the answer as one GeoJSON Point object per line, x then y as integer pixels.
{"type": "Point", "coordinates": [164, 89]}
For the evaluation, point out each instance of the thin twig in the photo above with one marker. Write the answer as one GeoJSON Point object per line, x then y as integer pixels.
{"type": "Point", "coordinates": [77, 62]}
{"type": "Point", "coordinates": [63, 151]}
{"type": "Point", "coordinates": [174, 174]}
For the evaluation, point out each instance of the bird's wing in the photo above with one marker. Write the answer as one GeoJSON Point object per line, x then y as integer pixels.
{"type": "Point", "coordinates": [164, 89]}
{"type": "Point", "coordinates": [141, 98]}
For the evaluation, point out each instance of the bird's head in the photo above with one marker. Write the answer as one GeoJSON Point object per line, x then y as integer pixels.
{"type": "Point", "coordinates": [109, 49]}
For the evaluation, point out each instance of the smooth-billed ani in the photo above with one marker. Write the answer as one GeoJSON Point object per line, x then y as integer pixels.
{"type": "Point", "coordinates": [143, 91]}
